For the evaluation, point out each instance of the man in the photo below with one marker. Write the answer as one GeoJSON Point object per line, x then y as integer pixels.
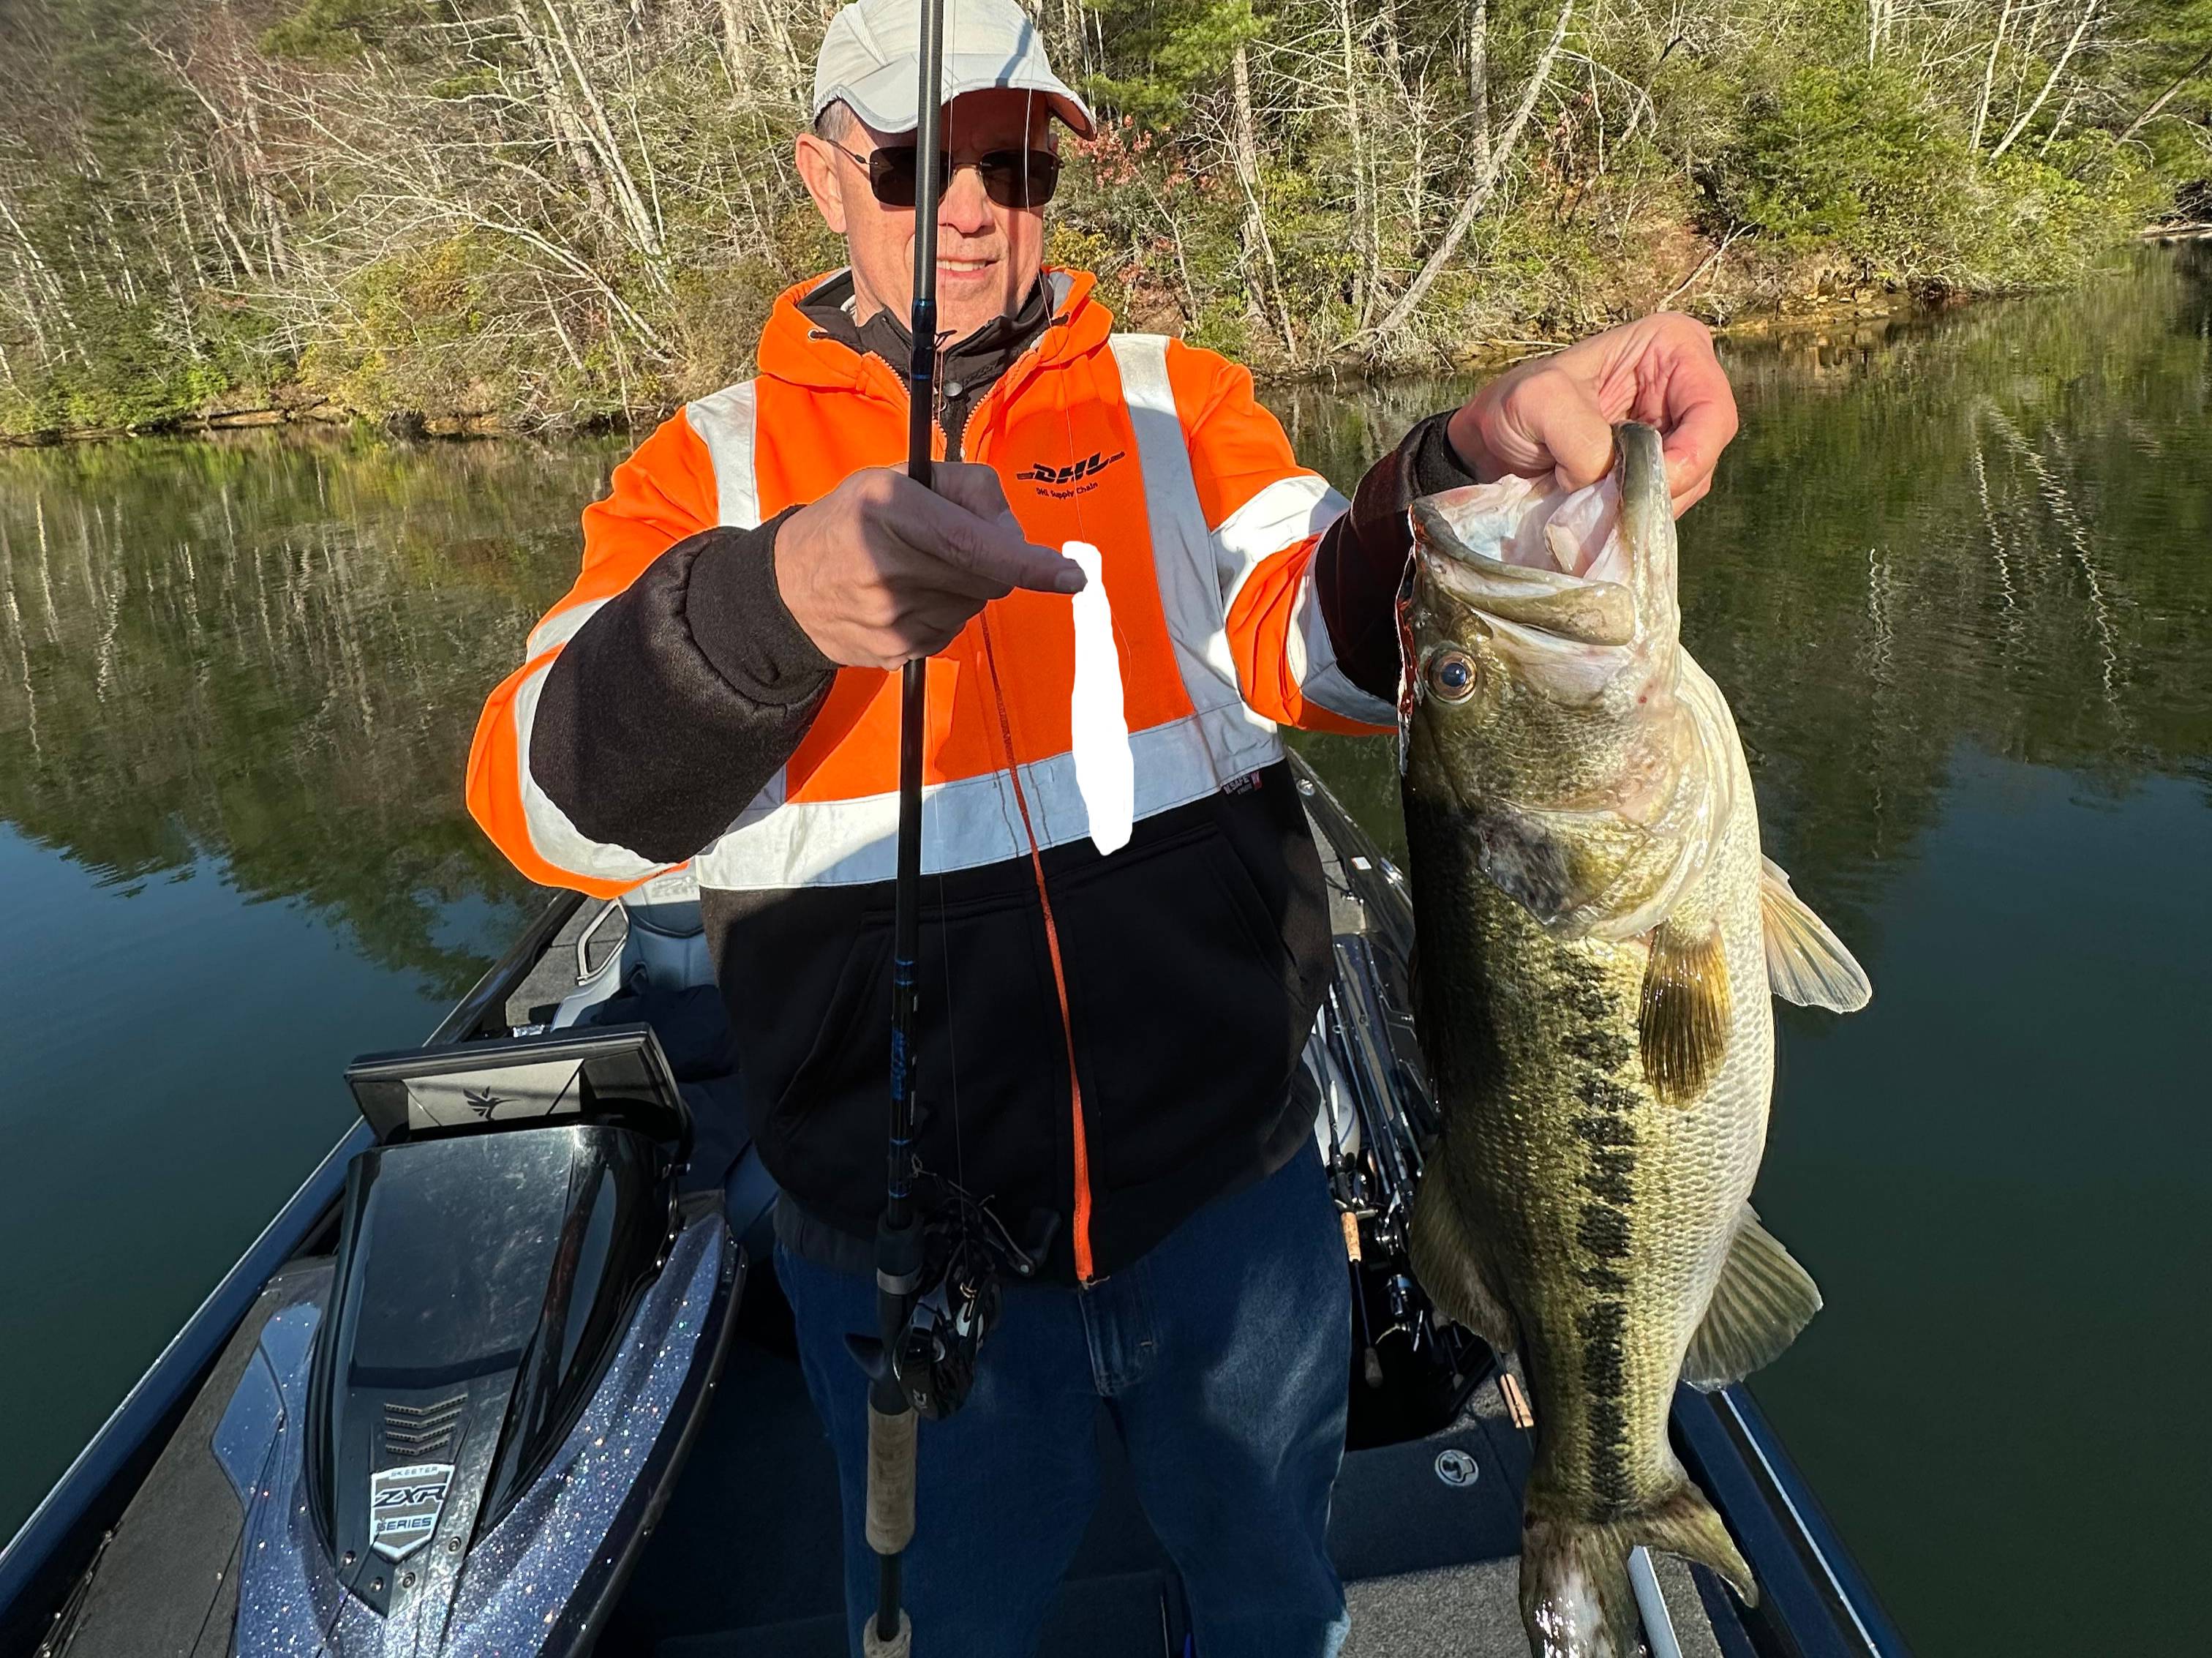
{"type": "Point", "coordinates": [1107, 1043]}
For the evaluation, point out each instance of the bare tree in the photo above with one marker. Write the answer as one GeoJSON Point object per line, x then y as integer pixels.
{"type": "Point", "coordinates": [1486, 186]}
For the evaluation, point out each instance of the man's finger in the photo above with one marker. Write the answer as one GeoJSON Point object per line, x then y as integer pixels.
{"type": "Point", "coordinates": [1697, 409]}
{"type": "Point", "coordinates": [1560, 413]}
{"type": "Point", "coordinates": [993, 552]}
{"type": "Point", "coordinates": [1697, 492]}
{"type": "Point", "coordinates": [1702, 428]}
{"type": "Point", "coordinates": [937, 625]}
{"type": "Point", "coordinates": [975, 487]}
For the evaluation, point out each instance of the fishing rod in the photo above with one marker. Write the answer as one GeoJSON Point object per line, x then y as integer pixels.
{"type": "Point", "coordinates": [893, 1421]}
{"type": "Point", "coordinates": [940, 1253]}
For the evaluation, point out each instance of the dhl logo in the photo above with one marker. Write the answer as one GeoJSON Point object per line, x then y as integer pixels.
{"type": "Point", "coordinates": [1090, 466]}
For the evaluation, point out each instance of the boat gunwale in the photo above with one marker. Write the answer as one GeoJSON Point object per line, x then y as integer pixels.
{"type": "Point", "coordinates": [1802, 1566]}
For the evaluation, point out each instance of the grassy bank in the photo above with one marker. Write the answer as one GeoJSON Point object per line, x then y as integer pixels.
{"type": "Point", "coordinates": [458, 215]}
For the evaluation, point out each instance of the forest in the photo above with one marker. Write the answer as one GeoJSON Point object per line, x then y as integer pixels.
{"type": "Point", "coordinates": [529, 215]}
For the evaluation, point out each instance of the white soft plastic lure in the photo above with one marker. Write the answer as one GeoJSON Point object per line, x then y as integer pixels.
{"type": "Point", "coordinates": [1105, 771]}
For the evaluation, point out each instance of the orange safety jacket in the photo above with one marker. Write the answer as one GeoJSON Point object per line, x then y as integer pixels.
{"type": "Point", "coordinates": [1158, 454]}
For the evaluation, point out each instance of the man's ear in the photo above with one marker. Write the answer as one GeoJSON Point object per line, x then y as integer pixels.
{"type": "Point", "coordinates": [817, 171]}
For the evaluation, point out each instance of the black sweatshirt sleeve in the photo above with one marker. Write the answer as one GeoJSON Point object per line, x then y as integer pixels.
{"type": "Point", "coordinates": [674, 705]}
{"type": "Point", "coordinates": [1362, 557]}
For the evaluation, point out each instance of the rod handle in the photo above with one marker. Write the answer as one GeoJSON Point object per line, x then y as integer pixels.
{"type": "Point", "coordinates": [874, 1645]}
{"type": "Point", "coordinates": [889, 1525]}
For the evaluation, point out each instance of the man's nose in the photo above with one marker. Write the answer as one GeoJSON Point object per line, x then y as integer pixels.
{"type": "Point", "coordinates": [966, 207]}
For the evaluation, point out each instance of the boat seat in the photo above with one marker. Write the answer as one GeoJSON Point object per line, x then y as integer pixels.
{"type": "Point", "coordinates": [643, 958]}
{"type": "Point", "coordinates": [663, 943]}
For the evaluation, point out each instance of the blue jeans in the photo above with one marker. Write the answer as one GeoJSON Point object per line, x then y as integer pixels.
{"type": "Point", "coordinates": [1221, 1358]}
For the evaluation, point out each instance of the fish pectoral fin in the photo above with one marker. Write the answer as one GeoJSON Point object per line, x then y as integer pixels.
{"type": "Point", "coordinates": [1806, 963]}
{"type": "Point", "coordinates": [1448, 1263]}
{"type": "Point", "coordinates": [1682, 1021]}
{"type": "Point", "coordinates": [1577, 1600]}
{"type": "Point", "coordinates": [1764, 1298]}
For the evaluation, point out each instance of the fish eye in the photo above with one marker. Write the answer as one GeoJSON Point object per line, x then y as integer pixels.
{"type": "Point", "coordinates": [1452, 676]}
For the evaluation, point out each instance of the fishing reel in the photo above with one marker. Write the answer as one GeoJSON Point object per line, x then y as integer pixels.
{"type": "Point", "coordinates": [966, 1252]}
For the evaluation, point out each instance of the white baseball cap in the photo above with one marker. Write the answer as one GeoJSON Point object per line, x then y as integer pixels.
{"type": "Point", "coordinates": [870, 60]}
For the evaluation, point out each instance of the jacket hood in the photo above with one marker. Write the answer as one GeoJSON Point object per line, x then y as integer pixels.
{"type": "Point", "coordinates": [795, 349]}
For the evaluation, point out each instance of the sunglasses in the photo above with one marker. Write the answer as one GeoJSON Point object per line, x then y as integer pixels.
{"type": "Point", "coordinates": [1011, 178]}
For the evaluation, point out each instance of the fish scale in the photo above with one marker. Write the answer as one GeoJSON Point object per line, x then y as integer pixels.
{"type": "Point", "coordinates": [1595, 924]}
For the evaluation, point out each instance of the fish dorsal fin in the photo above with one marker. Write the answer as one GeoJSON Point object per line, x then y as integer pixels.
{"type": "Point", "coordinates": [1806, 963]}
{"type": "Point", "coordinates": [1764, 1298]}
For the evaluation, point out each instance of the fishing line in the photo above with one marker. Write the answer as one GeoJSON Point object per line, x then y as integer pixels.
{"type": "Point", "coordinates": [1079, 1145]}
{"type": "Point", "coordinates": [937, 353]}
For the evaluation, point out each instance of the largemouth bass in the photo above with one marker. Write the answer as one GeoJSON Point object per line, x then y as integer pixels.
{"type": "Point", "coordinates": [1597, 935]}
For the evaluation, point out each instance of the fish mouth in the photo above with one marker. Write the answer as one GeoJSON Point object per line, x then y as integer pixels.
{"type": "Point", "coordinates": [1566, 739]}
{"type": "Point", "coordinates": [1581, 609]}
{"type": "Point", "coordinates": [1586, 566]}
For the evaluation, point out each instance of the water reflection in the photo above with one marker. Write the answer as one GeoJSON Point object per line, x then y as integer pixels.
{"type": "Point", "coordinates": [271, 652]}
{"type": "Point", "coordinates": [1983, 529]}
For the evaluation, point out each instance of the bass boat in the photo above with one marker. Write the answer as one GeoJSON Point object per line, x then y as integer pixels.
{"type": "Point", "coordinates": [509, 1373]}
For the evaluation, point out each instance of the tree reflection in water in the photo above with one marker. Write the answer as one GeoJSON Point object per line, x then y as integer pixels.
{"type": "Point", "coordinates": [270, 651]}
{"type": "Point", "coordinates": [1982, 528]}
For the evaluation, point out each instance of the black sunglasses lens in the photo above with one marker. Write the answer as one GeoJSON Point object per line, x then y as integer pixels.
{"type": "Point", "coordinates": [1020, 177]}
{"type": "Point", "coordinates": [891, 176]}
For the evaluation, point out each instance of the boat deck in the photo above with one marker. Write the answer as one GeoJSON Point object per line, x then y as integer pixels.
{"type": "Point", "coordinates": [746, 1560]}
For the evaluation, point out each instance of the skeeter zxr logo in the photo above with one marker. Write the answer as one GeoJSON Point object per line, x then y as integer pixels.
{"type": "Point", "coordinates": [1074, 479]}
{"type": "Point", "coordinates": [403, 1506]}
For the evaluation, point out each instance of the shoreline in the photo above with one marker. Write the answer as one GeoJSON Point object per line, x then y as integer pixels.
{"type": "Point", "coordinates": [1794, 319]}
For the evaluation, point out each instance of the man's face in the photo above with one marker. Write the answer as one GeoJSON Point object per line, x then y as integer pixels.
{"type": "Point", "coordinates": [987, 256]}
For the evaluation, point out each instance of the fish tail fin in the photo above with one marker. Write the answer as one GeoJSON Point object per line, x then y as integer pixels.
{"type": "Point", "coordinates": [1577, 1600]}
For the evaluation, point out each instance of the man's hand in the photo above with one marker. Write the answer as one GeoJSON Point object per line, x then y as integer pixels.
{"type": "Point", "coordinates": [1556, 414]}
{"type": "Point", "coordinates": [881, 570]}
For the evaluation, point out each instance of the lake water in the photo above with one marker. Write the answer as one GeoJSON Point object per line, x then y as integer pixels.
{"type": "Point", "coordinates": [1956, 580]}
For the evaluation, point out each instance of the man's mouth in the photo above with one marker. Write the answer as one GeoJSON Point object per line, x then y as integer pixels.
{"type": "Point", "coordinates": [956, 267]}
